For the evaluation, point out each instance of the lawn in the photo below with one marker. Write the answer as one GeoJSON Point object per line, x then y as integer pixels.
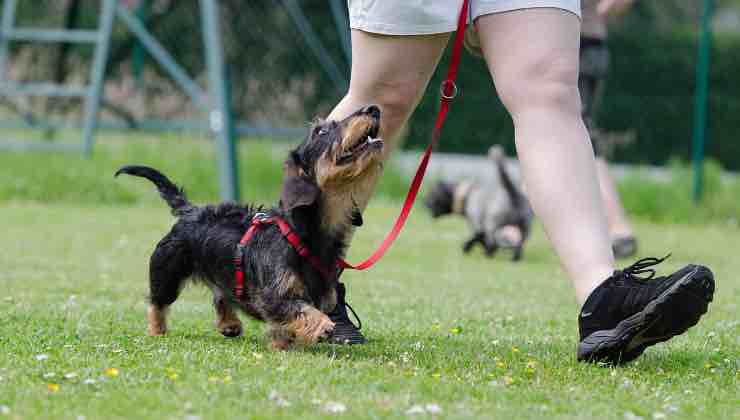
{"type": "Point", "coordinates": [451, 336]}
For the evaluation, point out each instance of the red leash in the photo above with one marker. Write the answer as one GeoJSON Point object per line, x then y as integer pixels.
{"type": "Point", "coordinates": [449, 91]}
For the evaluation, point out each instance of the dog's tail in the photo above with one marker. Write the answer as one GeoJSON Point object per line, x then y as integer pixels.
{"type": "Point", "coordinates": [496, 153]}
{"type": "Point", "coordinates": [173, 195]}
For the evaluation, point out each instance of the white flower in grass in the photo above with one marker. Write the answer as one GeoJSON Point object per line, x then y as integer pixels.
{"type": "Point", "coordinates": [70, 375]}
{"type": "Point", "coordinates": [278, 399]}
{"type": "Point", "coordinates": [670, 407]}
{"type": "Point", "coordinates": [42, 357]}
{"type": "Point", "coordinates": [658, 415]}
{"type": "Point", "coordinates": [48, 375]}
{"type": "Point", "coordinates": [4, 410]}
{"type": "Point", "coordinates": [415, 409]}
{"type": "Point", "coordinates": [628, 415]}
{"type": "Point", "coordinates": [433, 408]}
{"type": "Point", "coordinates": [335, 407]}
{"type": "Point", "coordinates": [89, 381]}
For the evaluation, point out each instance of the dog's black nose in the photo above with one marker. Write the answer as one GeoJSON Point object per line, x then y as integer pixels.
{"type": "Point", "coordinates": [373, 110]}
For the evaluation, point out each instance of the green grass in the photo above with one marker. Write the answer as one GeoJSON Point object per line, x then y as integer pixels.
{"type": "Point", "coordinates": [479, 338]}
{"type": "Point", "coordinates": [187, 160]}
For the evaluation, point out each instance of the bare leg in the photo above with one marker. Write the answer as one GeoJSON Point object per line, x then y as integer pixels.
{"type": "Point", "coordinates": [533, 57]}
{"type": "Point", "coordinates": [619, 227]}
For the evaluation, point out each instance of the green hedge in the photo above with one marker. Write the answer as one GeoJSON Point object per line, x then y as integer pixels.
{"type": "Point", "coordinates": [650, 90]}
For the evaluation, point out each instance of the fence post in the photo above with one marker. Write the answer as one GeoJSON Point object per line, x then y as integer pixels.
{"type": "Point", "coordinates": [138, 56]}
{"type": "Point", "coordinates": [701, 99]}
{"type": "Point", "coordinates": [220, 118]}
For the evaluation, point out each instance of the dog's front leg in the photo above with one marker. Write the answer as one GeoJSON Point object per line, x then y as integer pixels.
{"type": "Point", "coordinates": [292, 317]}
{"type": "Point", "coordinates": [470, 243]}
{"type": "Point", "coordinates": [302, 323]}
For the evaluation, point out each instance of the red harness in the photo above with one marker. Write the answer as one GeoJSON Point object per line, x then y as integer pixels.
{"type": "Point", "coordinates": [261, 219]}
{"type": "Point", "coordinates": [448, 92]}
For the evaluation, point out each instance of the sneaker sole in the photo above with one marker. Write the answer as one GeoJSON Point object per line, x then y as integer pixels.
{"type": "Point", "coordinates": [670, 314]}
{"type": "Point", "coordinates": [345, 334]}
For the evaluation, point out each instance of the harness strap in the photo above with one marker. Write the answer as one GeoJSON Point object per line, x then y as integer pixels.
{"type": "Point", "coordinates": [295, 241]}
{"type": "Point", "coordinates": [448, 92]}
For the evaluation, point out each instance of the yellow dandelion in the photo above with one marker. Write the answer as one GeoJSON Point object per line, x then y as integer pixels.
{"type": "Point", "coordinates": [172, 375]}
{"type": "Point", "coordinates": [708, 366]}
{"type": "Point", "coordinates": [501, 365]}
{"type": "Point", "coordinates": [515, 349]}
{"type": "Point", "coordinates": [112, 372]}
{"type": "Point", "coordinates": [52, 387]}
{"type": "Point", "coordinates": [227, 379]}
{"type": "Point", "coordinates": [508, 380]}
{"type": "Point", "coordinates": [455, 330]}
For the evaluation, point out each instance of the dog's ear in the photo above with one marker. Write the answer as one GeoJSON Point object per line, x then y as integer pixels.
{"type": "Point", "coordinates": [297, 190]}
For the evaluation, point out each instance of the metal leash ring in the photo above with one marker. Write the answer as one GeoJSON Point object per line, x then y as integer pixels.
{"type": "Point", "coordinates": [446, 86]}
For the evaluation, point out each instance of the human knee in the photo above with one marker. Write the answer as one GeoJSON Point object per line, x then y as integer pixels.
{"type": "Point", "coordinates": [551, 83]}
{"type": "Point", "coordinates": [396, 99]}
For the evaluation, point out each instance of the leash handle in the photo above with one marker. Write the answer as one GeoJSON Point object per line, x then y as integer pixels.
{"type": "Point", "coordinates": [448, 92]}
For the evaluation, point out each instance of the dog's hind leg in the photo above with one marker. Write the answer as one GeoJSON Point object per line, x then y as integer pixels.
{"type": "Point", "coordinates": [169, 266]}
{"type": "Point", "coordinates": [227, 321]}
{"type": "Point", "coordinates": [491, 246]}
{"type": "Point", "coordinates": [518, 250]}
{"type": "Point", "coordinates": [470, 243]}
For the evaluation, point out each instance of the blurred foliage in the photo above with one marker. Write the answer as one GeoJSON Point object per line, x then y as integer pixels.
{"type": "Point", "coordinates": [671, 202]}
{"type": "Point", "coordinates": [276, 80]}
{"type": "Point", "coordinates": [650, 91]}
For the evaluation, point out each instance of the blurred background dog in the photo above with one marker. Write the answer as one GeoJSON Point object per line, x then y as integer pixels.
{"type": "Point", "coordinates": [498, 213]}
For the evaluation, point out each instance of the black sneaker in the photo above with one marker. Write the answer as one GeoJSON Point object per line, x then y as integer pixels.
{"type": "Point", "coordinates": [345, 332]}
{"type": "Point", "coordinates": [626, 313]}
{"type": "Point", "coordinates": [624, 247]}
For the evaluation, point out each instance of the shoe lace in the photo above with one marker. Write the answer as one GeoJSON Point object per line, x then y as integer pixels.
{"type": "Point", "coordinates": [642, 266]}
{"type": "Point", "coordinates": [342, 301]}
{"type": "Point", "coordinates": [357, 318]}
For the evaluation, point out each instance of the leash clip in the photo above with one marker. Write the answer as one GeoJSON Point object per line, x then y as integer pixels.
{"type": "Point", "coordinates": [260, 217]}
{"type": "Point", "coordinates": [448, 89]}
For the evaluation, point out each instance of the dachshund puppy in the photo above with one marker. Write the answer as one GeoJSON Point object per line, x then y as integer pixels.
{"type": "Point", "coordinates": [337, 161]}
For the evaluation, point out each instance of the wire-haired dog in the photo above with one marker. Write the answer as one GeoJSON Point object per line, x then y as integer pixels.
{"type": "Point", "coordinates": [488, 208]}
{"type": "Point", "coordinates": [336, 162]}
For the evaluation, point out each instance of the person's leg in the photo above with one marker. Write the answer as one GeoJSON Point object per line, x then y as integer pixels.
{"type": "Point", "coordinates": [533, 57]}
{"type": "Point", "coordinates": [392, 72]}
{"type": "Point", "coordinates": [619, 227]}
{"type": "Point", "coordinates": [594, 67]}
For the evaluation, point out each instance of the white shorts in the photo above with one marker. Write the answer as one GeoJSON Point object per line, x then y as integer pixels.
{"type": "Point", "coordinates": [424, 17]}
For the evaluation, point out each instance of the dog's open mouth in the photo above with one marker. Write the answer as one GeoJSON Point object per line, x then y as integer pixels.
{"type": "Point", "coordinates": [367, 142]}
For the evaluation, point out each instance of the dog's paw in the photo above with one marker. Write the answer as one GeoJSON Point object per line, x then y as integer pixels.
{"type": "Point", "coordinates": [156, 330]}
{"type": "Point", "coordinates": [157, 321]}
{"type": "Point", "coordinates": [230, 329]}
{"type": "Point", "coordinates": [325, 330]}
